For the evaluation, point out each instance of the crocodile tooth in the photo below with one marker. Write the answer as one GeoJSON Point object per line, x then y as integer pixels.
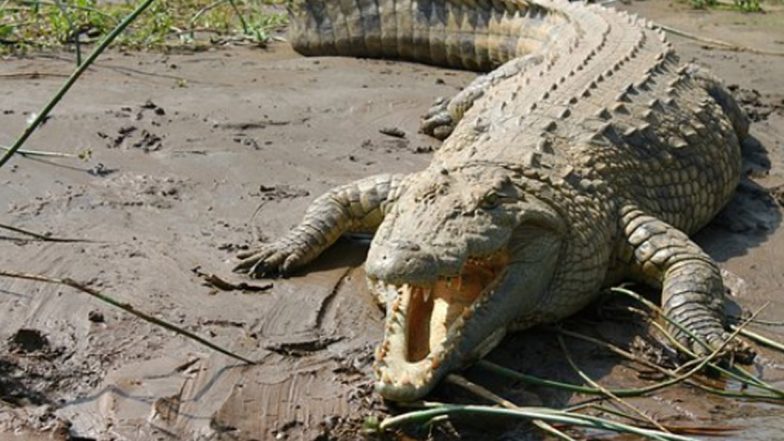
{"type": "Point", "coordinates": [396, 305]}
{"type": "Point", "coordinates": [379, 354]}
{"type": "Point", "coordinates": [435, 362]}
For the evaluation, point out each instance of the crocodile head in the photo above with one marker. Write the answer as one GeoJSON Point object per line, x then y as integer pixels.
{"type": "Point", "coordinates": [461, 255]}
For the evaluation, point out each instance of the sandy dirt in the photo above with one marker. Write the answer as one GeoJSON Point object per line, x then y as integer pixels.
{"type": "Point", "coordinates": [197, 156]}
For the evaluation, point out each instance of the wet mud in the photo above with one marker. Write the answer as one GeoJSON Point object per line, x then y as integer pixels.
{"type": "Point", "coordinates": [195, 157]}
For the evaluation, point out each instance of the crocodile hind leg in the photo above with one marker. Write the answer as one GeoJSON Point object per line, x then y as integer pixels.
{"type": "Point", "coordinates": [445, 113]}
{"type": "Point", "coordinates": [355, 207]}
{"type": "Point", "coordinates": [691, 283]}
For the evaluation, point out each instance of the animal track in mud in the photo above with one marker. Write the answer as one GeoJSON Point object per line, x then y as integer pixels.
{"type": "Point", "coordinates": [279, 192]}
{"type": "Point", "coordinates": [143, 190]}
{"type": "Point", "coordinates": [33, 370]}
{"type": "Point", "coordinates": [133, 135]}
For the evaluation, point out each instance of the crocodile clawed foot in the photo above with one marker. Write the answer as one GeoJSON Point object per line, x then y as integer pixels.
{"type": "Point", "coordinates": [270, 260]}
{"type": "Point", "coordinates": [438, 122]}
{"type": "Point", "coordinates": [734, 351]}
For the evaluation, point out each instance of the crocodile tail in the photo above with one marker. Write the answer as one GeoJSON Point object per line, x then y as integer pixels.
{"type": "Point", "coordinates": [465, 34]}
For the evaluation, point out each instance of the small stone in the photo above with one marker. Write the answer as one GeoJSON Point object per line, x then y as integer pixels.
{"type": "Point", "coordinates": [393, 132]}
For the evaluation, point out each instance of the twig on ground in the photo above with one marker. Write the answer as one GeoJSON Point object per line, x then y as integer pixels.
{"type": "Point", "coordinates": [738, 374]}
{"type": "Point", "coordinates": [629, 356]}
{"type": "Point", "coordinates": [681, 430]}
{"type": "Point", "coordinates": [619, 392]}
{"type": "Point", "coordinates": [719, 43]}
{"type": "Point", "coordinates": [760, 321]}
{"type": "Point", "coordinates": [43, 237]}
{"type": "Point", "coordinates": [603, 389]}
{"type": "Point", "coordinates": [32, 75]}
{"type": "Point", "coordinates": [542, 413]}
{"type": "Point", "coordinates": [125, 307]}
{"type": "Point", "coordinates": [489, 396]}
{"type": "Point", "coordinates": [217, 282]}
{"type": "Point", "coordinates": [760, 339]}
{"type": "Point", "coordinates": [41, 153]}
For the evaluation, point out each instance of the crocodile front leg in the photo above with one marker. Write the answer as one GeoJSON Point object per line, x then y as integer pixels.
{"type": "Point", "coordinates": [355, 207]}
{"type": "Point", "coordinates": [692, 287]}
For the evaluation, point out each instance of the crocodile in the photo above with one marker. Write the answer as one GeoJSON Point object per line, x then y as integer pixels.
{"type": "Point", "coordinates": [583, 156]}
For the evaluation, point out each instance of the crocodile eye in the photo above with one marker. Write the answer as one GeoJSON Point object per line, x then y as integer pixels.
{"type": "Point", "coordinates": [490, 200]}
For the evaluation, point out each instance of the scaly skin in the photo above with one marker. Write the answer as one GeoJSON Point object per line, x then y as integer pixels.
{"type": "Point", "coordinates": [585, 158]}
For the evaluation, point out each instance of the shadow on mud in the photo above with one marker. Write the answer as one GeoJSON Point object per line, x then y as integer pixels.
{"type": "Point", "coordinates": [752, 215]}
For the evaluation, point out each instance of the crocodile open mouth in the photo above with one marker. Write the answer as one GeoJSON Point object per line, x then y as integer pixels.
{"type": "Point", "coordinates": [425, 321]}
{"type": "Point", "coordinates": [433, 310]}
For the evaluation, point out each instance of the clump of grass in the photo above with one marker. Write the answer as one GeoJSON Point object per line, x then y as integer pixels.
{"type": "Point", "coordinates": [40, 24]}
{"type": "Point", "coordinates": [702, 4]}
{"type": "Point", "coordinates": [738, 5]}
{"type": "Point", "coordinates": [748, 5]}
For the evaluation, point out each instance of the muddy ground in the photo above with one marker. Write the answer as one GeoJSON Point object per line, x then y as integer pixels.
{"type": "Point", "coordinates": [187, 147]}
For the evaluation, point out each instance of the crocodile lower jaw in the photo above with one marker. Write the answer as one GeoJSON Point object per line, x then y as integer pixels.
{"type": "Point", "coordinates": [425, 325]}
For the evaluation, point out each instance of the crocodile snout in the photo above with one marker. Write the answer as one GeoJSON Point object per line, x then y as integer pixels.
{"type": "Point", "coordinates": [402, 262]}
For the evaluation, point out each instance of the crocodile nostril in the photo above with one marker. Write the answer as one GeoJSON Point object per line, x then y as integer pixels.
{"type": "Point", "coordinates": [410, 246]}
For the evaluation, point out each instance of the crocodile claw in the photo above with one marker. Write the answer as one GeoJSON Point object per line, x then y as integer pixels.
{"type": "Point", "coordinates": [735, 350]}
{"type": "Point", "coordinates": [274, 259]}
{"type": "Point", "coordinates": [438, 122]}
